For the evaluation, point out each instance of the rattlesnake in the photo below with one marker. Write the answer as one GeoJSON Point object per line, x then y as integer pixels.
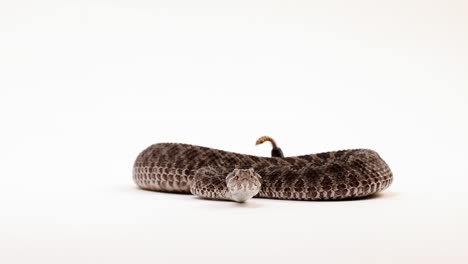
{"type": "Point", "coordinates": [217, 174]}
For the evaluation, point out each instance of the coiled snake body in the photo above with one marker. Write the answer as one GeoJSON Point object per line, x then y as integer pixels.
{"type": "Point", "coordinates": [217, 174]}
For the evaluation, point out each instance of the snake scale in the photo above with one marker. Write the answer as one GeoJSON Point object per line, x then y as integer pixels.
{"type": "Point", "coordinates": [218, 174]}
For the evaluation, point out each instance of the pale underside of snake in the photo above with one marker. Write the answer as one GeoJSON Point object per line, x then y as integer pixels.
{"type": "Point", "coordinates": [223, 175]}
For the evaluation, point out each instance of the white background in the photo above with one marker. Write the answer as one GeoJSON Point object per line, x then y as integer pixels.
{"type": "Point", "coordinates": [86, 85]}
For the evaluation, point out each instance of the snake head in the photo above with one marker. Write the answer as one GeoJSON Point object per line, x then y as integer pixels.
{"type": "Point", "coordinates": [243, 184]}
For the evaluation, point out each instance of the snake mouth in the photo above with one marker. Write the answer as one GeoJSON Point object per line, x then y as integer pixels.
{"type": "Point", "coordinates": [243, 190]}
{"type": "Point", "coordinates": [243, 194]}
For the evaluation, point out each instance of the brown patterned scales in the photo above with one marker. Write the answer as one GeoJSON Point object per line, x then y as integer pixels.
{"type": "Point", "coordinates": [217, 174]}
